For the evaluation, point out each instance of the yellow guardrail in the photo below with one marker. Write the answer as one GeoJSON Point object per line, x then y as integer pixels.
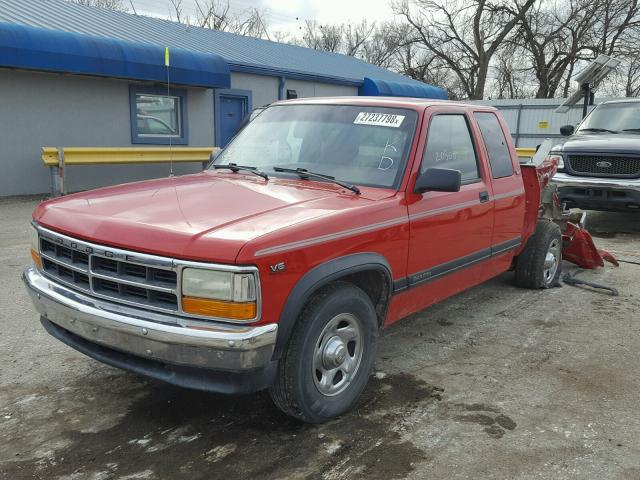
{"type": "Point", "coordinates": [117, 155]}
{"type": "Point", "coordinates": [58, 158]}
{"type": "Point", "coordinates": [525, 152]}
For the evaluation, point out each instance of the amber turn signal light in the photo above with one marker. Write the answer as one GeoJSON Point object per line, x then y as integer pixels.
{"type": "Point", "coordinates": [219, 308]}
{"type": "Point", "coordinates": [35, 256]}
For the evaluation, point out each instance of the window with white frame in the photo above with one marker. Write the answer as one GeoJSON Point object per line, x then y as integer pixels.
{"type": "Point", "coordinates": [156, 117]}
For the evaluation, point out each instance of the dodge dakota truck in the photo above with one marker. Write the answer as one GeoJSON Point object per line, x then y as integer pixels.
{"type": "Point", "coordinates": [600, 163]}
{"type": "Point", "coordinates": [321, 223]}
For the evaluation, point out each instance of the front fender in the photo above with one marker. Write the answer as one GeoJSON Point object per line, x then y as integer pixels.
{"type": "Point", "coordinates": [317, 278]}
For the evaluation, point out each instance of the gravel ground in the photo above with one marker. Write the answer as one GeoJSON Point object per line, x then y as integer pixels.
{"type": "Point", "coordinates": [496, 382]}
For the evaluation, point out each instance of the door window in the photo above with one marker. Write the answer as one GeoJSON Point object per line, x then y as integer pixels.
{"type": "Point", "coordinates": [497, 149]}
{"type": "Point", "coordinates": [450, 146]}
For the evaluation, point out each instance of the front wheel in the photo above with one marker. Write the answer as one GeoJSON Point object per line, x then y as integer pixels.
{"type": "Point", "coordinates": [540, 263]}
{"type": "Point", "coordinates": [327, 363]}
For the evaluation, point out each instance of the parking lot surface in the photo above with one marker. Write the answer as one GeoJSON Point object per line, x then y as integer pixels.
{"type": "Point", "coordinates": [497, 382]}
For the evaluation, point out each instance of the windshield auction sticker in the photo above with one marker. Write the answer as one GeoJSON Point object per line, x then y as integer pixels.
{"type": "Point", "coordinates": [379, 119]}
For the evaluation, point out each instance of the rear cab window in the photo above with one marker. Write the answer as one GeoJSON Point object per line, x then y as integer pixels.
{"type": "Point", "coordinates": [495, 143]}
{"type": "Point", "coordinates": [449, 145]}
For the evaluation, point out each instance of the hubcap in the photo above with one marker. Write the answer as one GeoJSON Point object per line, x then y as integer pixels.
{"type": "Point", "coordinates": [551, 261]}
{"type": "Point", "coordinates": [337, 354]}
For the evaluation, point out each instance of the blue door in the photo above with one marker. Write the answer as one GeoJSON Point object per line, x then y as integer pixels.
{"type": "Point", "coordinates": [232, 110]}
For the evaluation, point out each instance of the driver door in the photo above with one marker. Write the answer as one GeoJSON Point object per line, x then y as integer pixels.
{"type": "Point", "coordinates": [450, 232]}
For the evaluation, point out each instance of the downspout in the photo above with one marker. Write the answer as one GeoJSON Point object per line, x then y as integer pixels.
{"type": "Point", "coordinates": [517, 134]}
{"type": "Point", "coordinates": [281, 86]}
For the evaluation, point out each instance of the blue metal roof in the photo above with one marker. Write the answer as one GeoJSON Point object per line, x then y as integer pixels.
{"type": "Point", "coordinates": [384, 88]}
{"type": "Point", "coordinates": [243, 54]}
{"type": "Point", "coordinates": [55, 51]}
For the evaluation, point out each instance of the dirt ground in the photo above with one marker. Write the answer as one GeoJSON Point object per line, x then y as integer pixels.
{"type": "Point", "coordinates": [497, 382]}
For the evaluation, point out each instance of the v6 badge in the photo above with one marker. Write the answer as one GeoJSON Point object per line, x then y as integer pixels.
{"type": "Point", "coordinates": [277, 267]}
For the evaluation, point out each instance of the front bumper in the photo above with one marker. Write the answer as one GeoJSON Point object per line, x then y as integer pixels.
{"type": "Point", "coordinates": [615, 194]}
{"type": "Point", "coordinates": [222, 358]}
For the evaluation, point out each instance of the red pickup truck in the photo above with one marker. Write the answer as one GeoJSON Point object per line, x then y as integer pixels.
{"type": "Point", "coordinates": [323, 222]}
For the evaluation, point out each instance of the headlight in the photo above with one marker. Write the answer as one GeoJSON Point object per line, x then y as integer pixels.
{"type": "Point", "coordinates": [558, 158]}
{"type": "Point", "coordinates": [217, 293]}
{"type": "Point", "coordinates": [236, 287]}
{"type": "Point", "coordinates": [35, 246]}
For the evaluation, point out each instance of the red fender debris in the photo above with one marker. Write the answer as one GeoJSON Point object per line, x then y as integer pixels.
{"type": "Point", "coordinates": [578, 248]}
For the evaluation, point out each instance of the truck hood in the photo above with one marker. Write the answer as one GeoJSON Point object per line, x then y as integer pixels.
{"type": "Point", "coordinates": [602, 142]}
{"type": "Point", "coordinates": [207, 216]}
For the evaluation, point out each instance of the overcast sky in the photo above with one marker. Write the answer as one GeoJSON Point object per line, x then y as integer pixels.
{"type": "Point", "coordinates": [287, 15]}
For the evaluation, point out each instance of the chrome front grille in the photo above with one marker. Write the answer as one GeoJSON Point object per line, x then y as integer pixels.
{"type": "Point", "coordinates": [122, 276]}
{"type": "Point", "coordinates": [125, 277]}
{"type": "Point", "coordinates": [604, 165]}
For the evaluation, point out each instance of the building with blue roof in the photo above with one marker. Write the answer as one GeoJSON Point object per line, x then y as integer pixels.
{"type": "Point", "coordinates": [74, 75]}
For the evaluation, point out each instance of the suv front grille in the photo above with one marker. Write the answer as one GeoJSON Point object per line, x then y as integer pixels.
{"type": "Point", "coordinates": [604, 165]}
{"type": "Point", "coordinates": [126, 279]}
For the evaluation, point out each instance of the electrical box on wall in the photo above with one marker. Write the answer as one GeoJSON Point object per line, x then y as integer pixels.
{"type": "Point", "coordinates": [291, 94]}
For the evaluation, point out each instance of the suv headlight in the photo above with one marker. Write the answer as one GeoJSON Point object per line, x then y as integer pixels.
{"type": "Point", "coordinates": [559, 158]}
{"type": "Point", "coordinates": [35, 246]}
{"type": "Point", "coordinates": [217, 293]}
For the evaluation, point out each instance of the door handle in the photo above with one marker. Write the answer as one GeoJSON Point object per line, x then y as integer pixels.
{"type": "Point", "coordinates": [484, 197]}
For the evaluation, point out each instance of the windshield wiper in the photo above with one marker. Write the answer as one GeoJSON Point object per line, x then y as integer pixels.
{"type": "Point", "coordinates": [631, 130]}
{"type": "Point", "coordinates": [236, 168]}
{"type": "Point", "coordinates": [606, 130]}
{"type": "Point", "coordinates": [306, 174]}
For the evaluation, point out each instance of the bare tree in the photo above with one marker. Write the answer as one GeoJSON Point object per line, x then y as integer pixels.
{"type": "Point", "coordinates": [323, 37]}
{"type": "Point", "coordinates": [618, 32]}
{"type": "Point", "coordinates": [511, 76]}
{"type": "Point", "coordinates": [415, 61]}
{"type": "Point", "coordinates": [218, 15]}
{"type": "Point", "coordinates": [631, 64]}
{"type": "Point", "coordinates": [384, 43]}
{"type": "Point", "coordinates": [177, 11]}
{"type": "Point", "coordinates": [374, 43]}
{"type": "Point", "coordinates": [213, 14]}
{"type": "Point", "coordinates": [614, 19]}
{"type": "Point", "coordinates": [626, 79]}
{"type": "Point", "coordinates": [502, 48]}
{"type": "Point", "coordinates": [464, 34]}
{"type": "Point", "coordinates": [472, 48]}
{"type": "Point", "coordinates": [555, 37]}
{"type": "Point", "coordinates": [355, 37]}
{"type": "Point", "coordinates": [117, 5]}
{"type": "Point", "coordinates": [254, 24]}
{"type": "Point", "coordinates": [632, 76]}
{"type": "Point", "coordinates": [559, 37]}
{"type": "Point", "coordinates": [615, 30]}
{"type": "Point", "coordinates": [281, 37]}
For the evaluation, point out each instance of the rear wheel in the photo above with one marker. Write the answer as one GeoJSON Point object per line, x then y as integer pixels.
{"type": "Point", "coordinates": [330, 355]}
{"type": "Point", "coordinates": [540, 263]}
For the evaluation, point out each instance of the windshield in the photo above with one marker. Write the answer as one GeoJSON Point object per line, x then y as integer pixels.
{"type": "Point", "coordinates": [616, 117]}
{"type": "Point", "coordinates": [359, 145]}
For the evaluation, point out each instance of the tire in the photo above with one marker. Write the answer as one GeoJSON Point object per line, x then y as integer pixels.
{"type": "Point", "coordinates": [338, 323]}
{"type": "Point", "coordinates": [540, 263]}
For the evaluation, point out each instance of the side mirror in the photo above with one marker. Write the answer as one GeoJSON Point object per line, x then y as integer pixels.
{"type": "Point", "coordinates": [567, 130]}
{"type": "Point", "coordinates": [438, 180]}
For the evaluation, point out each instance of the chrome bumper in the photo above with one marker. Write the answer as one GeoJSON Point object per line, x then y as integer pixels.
{"type": "Point", "coordinates": [126, 329]}
{"type": "Point", "coordinates": [566, 180]}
